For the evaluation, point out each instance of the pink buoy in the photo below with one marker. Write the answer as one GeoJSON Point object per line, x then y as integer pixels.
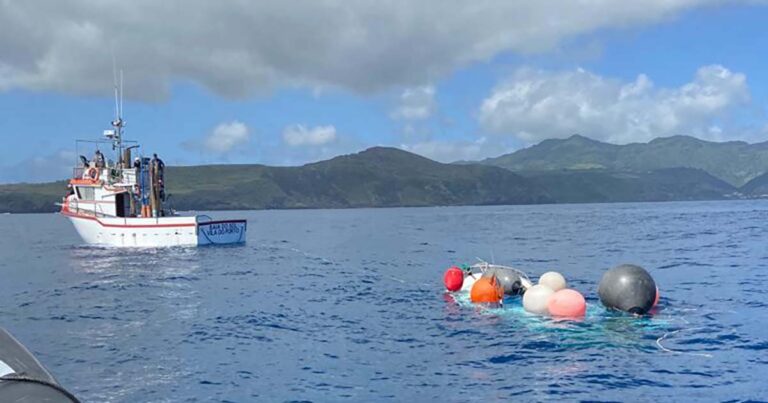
{"type": "Point", "coordinates": [567, 303]}
{"type": "Point", "coordinates": [453, 279]}
{"type": "Point", "coordinates": [656, 300]}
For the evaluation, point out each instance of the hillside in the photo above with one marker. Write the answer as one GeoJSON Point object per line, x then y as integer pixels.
{"type": "Point", "coordinates": [734, 162]}
{"type": "Point", "coordinates": [31, 197]}
{"type": "Point", "coordinates": [389, 177]}
{"type": "Point", "coordinates": [602, 186]}
{"type": "Point", "coordinates": [377, 177]}
{"type": "Point", "coordinates": [757, 187]}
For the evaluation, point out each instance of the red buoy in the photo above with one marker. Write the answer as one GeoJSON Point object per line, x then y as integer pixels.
{"type": "Point", "coordinates": [453, 279]}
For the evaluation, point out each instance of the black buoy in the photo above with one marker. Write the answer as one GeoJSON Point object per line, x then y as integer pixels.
{"type": "Point", "coordinates": [627, 288]}
{"type": "Point", "coordinates": [509, 280]}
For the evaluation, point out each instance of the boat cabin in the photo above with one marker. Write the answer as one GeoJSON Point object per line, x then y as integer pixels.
{"type": "Point", "coordinates": [102, 188]}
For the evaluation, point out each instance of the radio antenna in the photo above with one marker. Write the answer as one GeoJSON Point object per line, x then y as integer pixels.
{"type": "Point", "coordinates": [121, 94]}
{"type": "Point", "coordinates": [118, 123]}
{"type": "Point", "coordinates": [114, 83]}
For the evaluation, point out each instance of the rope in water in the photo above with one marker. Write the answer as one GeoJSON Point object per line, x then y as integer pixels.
{"type": "Point", "coordinates": [662, 338]}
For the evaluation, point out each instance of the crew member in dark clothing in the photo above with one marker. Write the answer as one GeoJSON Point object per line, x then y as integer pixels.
{"type": "Point", "coordinates": [159, 166]}
{"type": "Point", "coordinates": [137, 168]}
{"type": "Point", "coordinates": [98, 158]}
{"type": "Point", "coordinates": [157, 162]}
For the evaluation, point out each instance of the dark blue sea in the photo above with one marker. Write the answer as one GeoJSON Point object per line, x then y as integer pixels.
{"type": "Point", "coordinates": [348, 305]}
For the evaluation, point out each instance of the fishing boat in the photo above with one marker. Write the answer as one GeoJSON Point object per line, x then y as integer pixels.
{"type": "Point", "coordinates": [122, 202]}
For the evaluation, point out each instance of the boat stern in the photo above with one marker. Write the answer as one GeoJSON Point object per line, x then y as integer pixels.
{"type": "Point", "coordinates": [220, 232]}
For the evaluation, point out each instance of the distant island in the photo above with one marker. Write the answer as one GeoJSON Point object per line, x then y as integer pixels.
{"type": "Point", "coordinates": [572, 170]}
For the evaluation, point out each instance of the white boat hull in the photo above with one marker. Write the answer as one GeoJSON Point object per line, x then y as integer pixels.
{"type": "Point", "coordinates": [157, 232]}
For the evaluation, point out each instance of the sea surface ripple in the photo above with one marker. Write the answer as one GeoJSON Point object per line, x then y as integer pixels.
{"type": "Point", "coordinates": [330, 305]}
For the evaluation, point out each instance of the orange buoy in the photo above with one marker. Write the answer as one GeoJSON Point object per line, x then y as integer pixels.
{"type": "Point", "coordinates": [453, 279]}
{"type": "Point", "coordinates": [486, 290]}
{"type": "Point", "coordinates": [567, 303]}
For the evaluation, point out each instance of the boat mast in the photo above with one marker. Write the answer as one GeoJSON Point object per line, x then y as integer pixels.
{"type": "Point", "coordinates": [119, 123]}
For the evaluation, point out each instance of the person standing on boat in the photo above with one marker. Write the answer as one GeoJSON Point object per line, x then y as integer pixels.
{"type": "Point", "coordinates": [157, 165]}
{"type": "Point", "coordinates": [157, 162]}
{"type": "Point", "coordinates": [136, 200]}
{"type": "Point", "coordinates": [98, 158]}
{"type": "Point", "coordinates": [137, 167]}
{"type": "Point", "coordinates": [136, 194]}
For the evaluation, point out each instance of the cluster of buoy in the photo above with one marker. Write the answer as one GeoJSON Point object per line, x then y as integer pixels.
{"type": "Point", "coordinates": [552, 297]}
{"type": "Point", "coordinates": [627, 288]}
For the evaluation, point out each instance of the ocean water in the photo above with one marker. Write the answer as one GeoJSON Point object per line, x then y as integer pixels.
{"type": "Point", "coordinates": [348, 305]}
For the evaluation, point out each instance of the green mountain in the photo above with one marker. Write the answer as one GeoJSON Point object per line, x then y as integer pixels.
{"type": "Point", "coordinates": [377, 177]}
{"type": "Point", "coordinates": [388, 177]}
{"type": "Point", "coordinates": [735, 162]}
{"type": "Point", "coordinates": [757, 187]}
{"type": "Point", "coordinates": [602, 186]}
{"type": "Point", "coordinates": [31, 197]}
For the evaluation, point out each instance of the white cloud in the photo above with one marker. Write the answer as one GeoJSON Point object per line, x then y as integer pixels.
{"type": "Point", "coordinates": [533, 105]}
{"type": "Point", "coordinates": [226, 136]}
{"type": "Point", "coordinates": [236, 48]}
{"type": "Point", "coordinates": [299, 135]}
{"type": "Point", "coordinates": [416, 103]}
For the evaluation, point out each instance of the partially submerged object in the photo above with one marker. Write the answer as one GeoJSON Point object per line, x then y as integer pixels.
{"type": "Point", "coordinates": [123, 203]}
{"type": "Point", "coordinates": [453, 278]}
{"type": "Point", "coordinates": [554, 299]}
{"type": "Point", "coordinates": [24, 379]}
{"type": "Point", "coordinates": [511, 280]}
{"type": "Point", "coordinates": [553, 280]}
{"type": "Point", "coordinates": [628, 288]}
{"type": "Point", "coordinates": [486, 282]}
{"type": "Point", "coordinates": [487, 290]}
{"type": "Point", "coordinates": [567, 303]}
{"type": "Point", "coordinates": [536, 299]}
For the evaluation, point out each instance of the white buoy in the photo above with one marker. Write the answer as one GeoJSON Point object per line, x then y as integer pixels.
{"type": "Point", "coordinates": [536, 298]}
{"type": "Point", "coordinates": [553, 280]}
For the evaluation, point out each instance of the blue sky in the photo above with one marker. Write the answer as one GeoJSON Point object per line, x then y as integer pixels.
{"type": "Point", "coordinates": [449, 91]}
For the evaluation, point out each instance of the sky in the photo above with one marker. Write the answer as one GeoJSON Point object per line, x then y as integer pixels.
{"type": "Point", "coordinates": [292, 82]}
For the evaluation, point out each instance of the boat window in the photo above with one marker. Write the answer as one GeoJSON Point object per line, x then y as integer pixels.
{"type": "Point", "coordinates": [85, 193]}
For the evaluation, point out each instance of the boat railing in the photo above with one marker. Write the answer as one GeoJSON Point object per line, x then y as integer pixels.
{"type": "Point", "coordinates": [126, 176]}
{"type": "Point", "coordinates": [97, 211]}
